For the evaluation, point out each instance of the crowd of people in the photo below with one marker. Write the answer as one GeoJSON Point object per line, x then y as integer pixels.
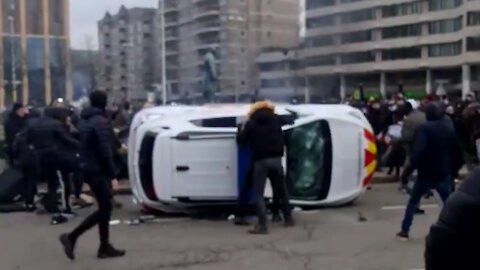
{"type": "Point", "coordinates": [61, 147]}
{"type": "Point", "coordinates": [436, 138]}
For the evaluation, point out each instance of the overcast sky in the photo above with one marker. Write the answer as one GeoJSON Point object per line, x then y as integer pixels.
{"type": "Point", "coordinates": [84, 15]}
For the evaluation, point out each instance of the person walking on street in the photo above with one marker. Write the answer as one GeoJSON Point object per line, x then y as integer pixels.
{"type": "Point", "coordinates": [96, 137]}
{"type": "Point", "coordinates": [436, 156]}
{"type": "Point", "coordinates": [263, 133]}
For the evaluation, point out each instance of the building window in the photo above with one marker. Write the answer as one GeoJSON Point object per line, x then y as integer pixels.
{"type": "Point", "coordinates": [445, 26]}
{"type": "Point", "coordinates": [320, 41]}
{"type": "Point", "coordinates": [473, 18]}
{"type": "Point", "coordinates": [320, 21]}
{"type": "Point", "coordinates": [473, 44]}
{"type": "Point", "coordinates": [434, 5]}
{"type": "Point", "coordinates": [358, 57]}
{"type": "Point", "coordinates": [445, 49]}
{"type": "Point", "coordinates": [350, 1]}
{"type": "Point", "coordinates": [402, 31]}
{"type": "Point", "coordinates": [402, 9]}
{"type": "Point", "coordinates": [313, 4]}
{"type": "Point", "coordinates": [323, 60]}
{"type": "Point", "coordinates": [359, 36]}
{"type": "Point", "coordinates": [276, 66]}
{"type": "Point", "coordinates": [358, 16]}
{"type": "Point", "coordinates": [273, 83]}
{"type": "Point", "coordinates": [402, 53]}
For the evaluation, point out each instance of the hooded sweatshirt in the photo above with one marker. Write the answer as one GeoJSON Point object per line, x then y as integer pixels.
{"type": "Point", "coordinates": [436, 153]}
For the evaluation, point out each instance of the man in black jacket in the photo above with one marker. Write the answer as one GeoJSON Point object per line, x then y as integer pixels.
{"type": "Point", "coordinates": [263, 133]}
{"type": "Point", "coordinates": [453, 240]}
{"type": "Point", "coordinates": [13, 125]}
{"type": "Point", "coordinates": [96, 135]}
{"type": "Point", "coordinates": [50, 141]}
{"type": "Point", "coordinates": [437, 157]}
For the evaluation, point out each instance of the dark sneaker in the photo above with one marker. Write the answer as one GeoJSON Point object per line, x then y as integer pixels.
{"type": "Point", "coordinates": [68, 213]}
{"type": "Point", "coordinates": [241, 221]}
{"type": "Point", "coordinates": [419, 211]}
{"type": "Point", "coordinates": [110, 252]}
{"type": "Point", "coordinates": [403, 236]}
{"type": "Point", "coordinates": [289, 223]}
{"type": "Point", "coordinates": [30, 208]}
{"type": "Point", "coordinates": [258, 230]}
{"type": "Point", "coordinates": [276, 218]}
{"type": "Point", "coordinates": [58, 219]}
{"type": "Point", "coordinates": [68, 246]}
{"type": "Point", "coordinates": [80, 203]}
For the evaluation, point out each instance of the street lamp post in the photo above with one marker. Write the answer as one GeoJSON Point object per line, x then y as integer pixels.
{"type": "Point", "coordinates": [164, 64]}
{"type": "Point", "coordinates": [11, 19]}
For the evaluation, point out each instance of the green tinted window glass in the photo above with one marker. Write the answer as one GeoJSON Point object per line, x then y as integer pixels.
{"type": "Point", "coordinates": [309, 161]}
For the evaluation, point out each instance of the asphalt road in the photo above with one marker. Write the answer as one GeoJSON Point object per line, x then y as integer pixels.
{"type": "Point", "coordinates": [330, 239]}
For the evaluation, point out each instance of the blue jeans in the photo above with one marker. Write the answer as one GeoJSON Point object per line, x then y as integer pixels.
{"type": "Point", "coordinates": [420, 188]}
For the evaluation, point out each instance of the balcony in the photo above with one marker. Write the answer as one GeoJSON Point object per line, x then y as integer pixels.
{"type": "Point", "coordinates": [207, 11]}
{"type": "Point", "coordinates": [208, 30]}
{"type": "Point", "coordinates": [170, 6]}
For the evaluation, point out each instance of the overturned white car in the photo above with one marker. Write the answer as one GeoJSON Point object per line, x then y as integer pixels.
{"type": "Point", "coordinates": [186, 156]}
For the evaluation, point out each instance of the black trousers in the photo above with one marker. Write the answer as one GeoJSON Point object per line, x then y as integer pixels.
{"type": "Point", "coordinates": [59, 167]}
{"type": "Point", "coordinates": [243, 203]}
{"type": "Point", "coordinates": [101, 188]}
{"type": "Point", "coordinates": [272, 169]}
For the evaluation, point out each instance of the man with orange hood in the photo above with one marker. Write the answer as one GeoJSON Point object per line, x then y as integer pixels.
{"type": "Point", "coordinates": [263, 133]}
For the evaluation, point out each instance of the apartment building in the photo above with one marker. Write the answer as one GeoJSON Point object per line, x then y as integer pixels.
{"type": "Point", "coordinates": [35, 51]}
{"type": "Point", "coordinates": [127, 52]}
{"type": "Point", "coordinates": [385, 46]}
{"type": "Point", "coordinates": [235, 30]}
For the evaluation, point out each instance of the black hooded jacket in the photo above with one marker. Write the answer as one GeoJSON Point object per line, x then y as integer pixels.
{"type": "Point", "coordinates": [48, 134]}
{"type": "Point", "coordinates": [263, 133]}
{"type": "Point", "coordinates": [97, 139]}
{"type": "Point", "coordinates": [457, 229]}
{"type": "Point", "coordinates": [436, 153]}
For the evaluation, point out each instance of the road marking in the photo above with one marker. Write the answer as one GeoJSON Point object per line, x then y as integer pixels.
{"type": "Point", "coordinates": [402, 207]}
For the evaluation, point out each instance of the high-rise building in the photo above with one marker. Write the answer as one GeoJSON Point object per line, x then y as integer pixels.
{"type": "Point", "coordinates": [235, 30]}
{"type": "Point", "coordinates": [386, 46]}
{"type": "Point", "coordinates": [35, 51]}
{"type": "Point", "coordinates": [127, 52]}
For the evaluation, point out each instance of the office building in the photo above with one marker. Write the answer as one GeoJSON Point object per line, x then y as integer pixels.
{"type": "Point", "coordinates": [236, 31]}
{"type": "Point", "coordinates": [386, 46]}
{"type": "Point", "coordinates": [35, 51]}
{"type": "Point", "coordinates": [127, 54]}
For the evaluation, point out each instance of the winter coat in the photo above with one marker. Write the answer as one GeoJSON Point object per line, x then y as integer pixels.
{"type": "Point", "coordinates": [263, 133]}
{"type": "Point", "coordinates": [411, 124]}
{"type": "Point", "coordinates": [49, 136]}
{"type": "Point", "coordinates": [97, 141]}
{"type": "Point", "coordinates": [436, 152]}
{"type": "Point", "coordinates": [457, 229]}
